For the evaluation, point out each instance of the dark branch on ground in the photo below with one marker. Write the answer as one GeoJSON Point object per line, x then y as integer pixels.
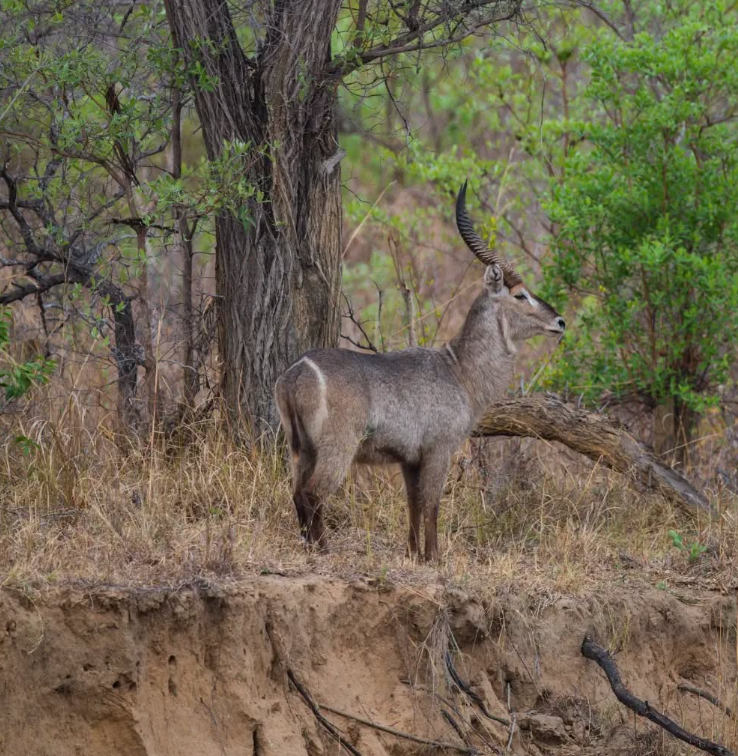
{"type": "Point", "coordinates": [600, 656]}
{"type": "Point", "coordinates": [331, 729]}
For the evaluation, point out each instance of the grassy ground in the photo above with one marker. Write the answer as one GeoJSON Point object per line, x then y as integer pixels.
{"type": "Point", "coordinates": [515, 513]}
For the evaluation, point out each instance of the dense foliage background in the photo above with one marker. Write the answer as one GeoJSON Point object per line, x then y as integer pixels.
{"type": "Point", "coordinates": [600, 144]}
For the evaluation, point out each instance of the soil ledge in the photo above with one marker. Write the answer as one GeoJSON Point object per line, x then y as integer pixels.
{"type": "Point", "coordinates": [202, 670]}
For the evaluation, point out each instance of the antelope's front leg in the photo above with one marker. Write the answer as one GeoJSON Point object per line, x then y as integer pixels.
{"type": "Point", "coordinates": [432, 476]}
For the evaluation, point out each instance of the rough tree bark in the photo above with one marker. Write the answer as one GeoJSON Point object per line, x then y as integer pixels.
{"type": "Point", "coordinates": [594, 435]}
{"type": "Point", "coordinates": [127, 352]}
{"type": "Point", "coordinates": [277, 278]}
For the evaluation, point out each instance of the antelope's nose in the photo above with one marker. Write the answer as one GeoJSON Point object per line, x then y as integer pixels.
{"type": "Point", "coordinates": [561, 323]}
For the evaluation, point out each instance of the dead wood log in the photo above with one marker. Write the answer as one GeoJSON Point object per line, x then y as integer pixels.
{"type": "Point", "coordinates": [549, 418]}
{"type": "Point", "coordinates": [602, 657]}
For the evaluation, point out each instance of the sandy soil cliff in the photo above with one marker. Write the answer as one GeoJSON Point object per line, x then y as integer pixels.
{"type": "Point", "coordinates": [203, 670]}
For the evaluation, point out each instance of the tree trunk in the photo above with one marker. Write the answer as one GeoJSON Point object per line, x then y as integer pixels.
{"type": "Point", "coordinates": [674, 427]}
{"type": "Point", "coordinates": [278, 274]}
{"type": "Point", "coordinates": [185, 246]}
{"type": "Point", "coordinates": [127, 360]}
{"type": "Point", "coordinates": [685, 422]}
{"type": "Point", "coordinates": [127, 352]}
{"type": "Point", "coordinates": [595, 436]}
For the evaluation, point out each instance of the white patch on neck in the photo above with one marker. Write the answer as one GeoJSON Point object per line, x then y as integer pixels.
{"type": "Point", "coordinates": [315, 424]}
{"type": "Point", "coordinates": [511, 348]}
{"type": "Point", "coordinates": [452, 353]}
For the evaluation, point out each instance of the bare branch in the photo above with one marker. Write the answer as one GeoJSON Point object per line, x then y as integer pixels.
{"type": "Point", "coordinates": [594, 435]}
{"type": "Point", "coordinates": [597, 654]}
{"type": "Point", "coordinates": [350, 315]}
{"type": "Point", "coordinates": [714, 700]}
{"type": "Point", "coordinates": [416, 39]}
{"type": "Point", "coordinates": [42, 284]}
{"type": "Point", "coordinates": [12, 205]}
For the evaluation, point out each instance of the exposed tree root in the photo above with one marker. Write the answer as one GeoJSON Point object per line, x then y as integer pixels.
{"type": "Point", "coordinates": [332, 731]}
{"type": "Point", "coordinates": [338, 736]}
{"type": "Point", "coordinates": [602, 657]}
{"type": "Point", "coordinates": [714, 700]}
{"type": "Point", "coordinates": [464, 687]}
{"type": "Point", "coordinates": [469, 750]}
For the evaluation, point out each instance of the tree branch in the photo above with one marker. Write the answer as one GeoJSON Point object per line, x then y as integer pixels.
{"type": "Point", "coordinates": [599, 655]}
{"type": "Point", "coordinates": [714, 700]}
{"type": "Point", "coordinates": [42, 284]}
{"type": "Point", "coordinates": [12, 205]}
{"type": "Point", "coordinates": [415, 39]}
{"type": "Point", "coordinates": [547, 417]}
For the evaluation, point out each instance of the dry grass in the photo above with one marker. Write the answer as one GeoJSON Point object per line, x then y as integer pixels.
{"type": "Point", "coordinates": [516, 515]}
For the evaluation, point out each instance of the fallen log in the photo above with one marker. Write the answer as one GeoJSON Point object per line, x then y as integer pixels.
{"type": "Point", "coordinates": [549, 418]}
{"type": "Point", "coordinates": [597, 654]}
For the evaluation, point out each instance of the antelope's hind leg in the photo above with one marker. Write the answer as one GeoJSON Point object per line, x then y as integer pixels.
{"type": "Point", "coordinates": [303, 465]}
{"type": "Point", "coordinates": [411, 474]}
{"type": "Point", "coordinates": [330, 470]}
{"type": "Point", "coordinates": [431, 479]}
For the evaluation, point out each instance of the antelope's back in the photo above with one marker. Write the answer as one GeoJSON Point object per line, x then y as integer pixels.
{"type": "Point", "coordinates": [404, 400]}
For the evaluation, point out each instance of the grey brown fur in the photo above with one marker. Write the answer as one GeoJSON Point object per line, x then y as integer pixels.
{"type": "Point", "coordinates": [414, 407]}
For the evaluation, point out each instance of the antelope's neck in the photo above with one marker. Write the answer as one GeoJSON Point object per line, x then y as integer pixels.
{"type": "Point", "coordinates": [484, 363]}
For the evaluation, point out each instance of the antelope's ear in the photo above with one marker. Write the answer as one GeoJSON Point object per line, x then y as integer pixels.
{"type": "Point", "coordinates": [493, 279]}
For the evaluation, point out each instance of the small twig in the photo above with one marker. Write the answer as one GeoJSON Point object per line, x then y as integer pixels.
{"type": "Point", "coordinates": [398, 733]}
{"type": "Point", "coordinates": [378, 322]}
{"type": "Point", "coordinates": [464, 688]}
{"type": "Point", "coordinates": [602, 657]}
{"type": "Point", "coordinates": [455, 726]}
{"type": "Point", "coordinates": [352, 317]}
{"type": "Point", "coordinates": [333, 731]}
{"type": "Point", "coordinates": [369, 348]}
{"type": "Point", "coordinates": [714, 700]}
{"type": "Point", "coordinates": [357, 230]}
{"type": "Point", "coordinates": [512, 719]}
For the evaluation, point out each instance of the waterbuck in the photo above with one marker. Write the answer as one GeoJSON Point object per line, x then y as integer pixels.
{"type": "Point", "coordinates": [415, 406]}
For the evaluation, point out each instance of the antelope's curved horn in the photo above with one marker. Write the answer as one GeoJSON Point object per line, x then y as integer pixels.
{"type": "Point", "coordinates": [476, 243]}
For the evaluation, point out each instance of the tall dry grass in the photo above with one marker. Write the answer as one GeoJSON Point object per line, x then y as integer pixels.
{"type": "Point", "coordinates": [515, 513]}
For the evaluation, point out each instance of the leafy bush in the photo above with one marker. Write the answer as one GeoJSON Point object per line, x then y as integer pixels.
{"type": "Point", "coordinates": [646, 233]}
{"type": "Point", "coordinates": [18, 378]}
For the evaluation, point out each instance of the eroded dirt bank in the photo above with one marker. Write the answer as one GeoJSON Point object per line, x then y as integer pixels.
{"type": "Point", "coordinates": [203, 671]}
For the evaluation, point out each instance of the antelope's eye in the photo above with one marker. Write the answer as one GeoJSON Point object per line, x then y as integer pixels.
{"type": "Point", "coordinates": [521, 297]}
